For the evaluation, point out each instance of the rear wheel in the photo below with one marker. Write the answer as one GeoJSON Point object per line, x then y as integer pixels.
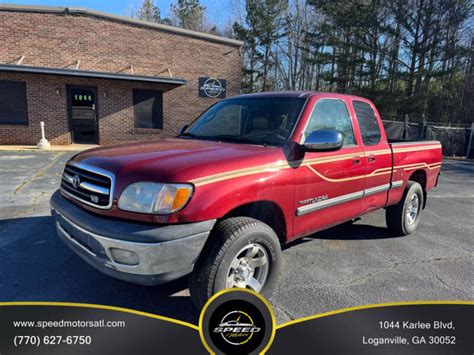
{"type": "Point", "coordinates": [242, 252]}
{"type": "Point", "coordinates": [403, 218]}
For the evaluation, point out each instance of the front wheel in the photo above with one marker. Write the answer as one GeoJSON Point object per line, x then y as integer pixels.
{"type": "Point", "coordinates": [402, 218]}
{"type": "Point", "coordinates": [242, 252]}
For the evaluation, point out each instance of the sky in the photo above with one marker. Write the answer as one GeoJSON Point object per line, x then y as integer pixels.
{"type": "Point", "coordinates": [218, 11]}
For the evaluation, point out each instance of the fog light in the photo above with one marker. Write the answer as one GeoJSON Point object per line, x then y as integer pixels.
{"type": "Point", "coordinates": [122, 256]}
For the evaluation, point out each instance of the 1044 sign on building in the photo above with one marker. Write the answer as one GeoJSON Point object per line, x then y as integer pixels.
{"type": "Point", "coordinates": [213, 88]}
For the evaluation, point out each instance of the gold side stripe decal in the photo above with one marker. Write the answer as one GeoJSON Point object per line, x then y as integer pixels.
{"type": "Point", "coordinates": [378, 172]}
{"type": "Point", "coordinates": [429, 166]}
{"type": "Point", "coordinates": [272, 167]}
{"type": "Point", "coordinates": [374, 173]}
{"type": "Point", "coordinates": [406, 150]}
{"type": "Point", "coordinates": [242, 172]}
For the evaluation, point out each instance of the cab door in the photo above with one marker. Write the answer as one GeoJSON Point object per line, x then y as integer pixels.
{"type": "Point", "coordinates": [377, 156]}
{"type": "Point", "coordinates": [329, 185]}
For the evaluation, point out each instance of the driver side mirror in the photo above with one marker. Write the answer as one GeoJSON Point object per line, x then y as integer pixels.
{"type": "Point", "coordinates": [182, 129]}
{"type": "Point", "coordinates": [323, 140]}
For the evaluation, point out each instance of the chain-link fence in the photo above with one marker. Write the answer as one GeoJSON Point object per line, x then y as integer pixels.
{"type": "Point", "coordinates": [457, 140]}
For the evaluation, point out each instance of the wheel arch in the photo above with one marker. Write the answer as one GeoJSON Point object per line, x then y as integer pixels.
{"type": "Point", "coordinates": [420, 177]}
{"type": "Point", "coordinates": [265, 211]}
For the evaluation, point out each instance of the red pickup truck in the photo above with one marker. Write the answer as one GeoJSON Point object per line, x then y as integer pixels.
{"type": "Point", "coordinates": [253, 172]}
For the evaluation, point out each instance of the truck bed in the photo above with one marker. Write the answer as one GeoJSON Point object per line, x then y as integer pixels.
{"type": "Point", "coordinates": [421, 157]}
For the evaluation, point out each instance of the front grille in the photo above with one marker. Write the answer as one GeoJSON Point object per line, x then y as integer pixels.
{"type": "Point", "coordinates": [88, 184]}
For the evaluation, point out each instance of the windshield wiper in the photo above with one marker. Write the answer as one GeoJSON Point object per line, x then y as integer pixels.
{"type": "Point", "coordinates": [223, 138]}
{"type": "Point", "coordinates": [230, 138]}
{"type": "Point", "coordinates": [188, 134]}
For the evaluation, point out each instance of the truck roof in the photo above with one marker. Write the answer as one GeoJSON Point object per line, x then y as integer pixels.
{"type": "Point", "coordinates": [300, 94]}
{"type": "Point", "coordinates": [278, 94]}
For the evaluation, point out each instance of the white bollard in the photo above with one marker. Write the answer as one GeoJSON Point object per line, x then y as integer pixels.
{"type": "Point", "coordinates": [43, 143]}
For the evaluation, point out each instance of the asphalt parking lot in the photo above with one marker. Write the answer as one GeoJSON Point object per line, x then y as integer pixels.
{"type": "Point", "coordinates": [349, 265]}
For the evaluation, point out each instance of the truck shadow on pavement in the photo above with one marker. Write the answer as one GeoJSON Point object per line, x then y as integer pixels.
{"type": "Point", "coordinates": [346, 231]}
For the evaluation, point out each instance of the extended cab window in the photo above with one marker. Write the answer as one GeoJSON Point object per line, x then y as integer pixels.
{"type": "Point", "coordinates": [369, 126]}
{"type": "Point", "coordinates": [331, 114]}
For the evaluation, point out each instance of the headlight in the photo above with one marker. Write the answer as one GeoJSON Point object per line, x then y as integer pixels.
{"type": "Point", "coordinates": [150, 197]}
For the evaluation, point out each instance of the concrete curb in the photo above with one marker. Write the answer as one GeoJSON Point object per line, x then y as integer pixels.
{"type": "Point", "coordinates": [54, 148]}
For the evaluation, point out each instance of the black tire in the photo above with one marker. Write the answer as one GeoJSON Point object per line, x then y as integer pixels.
{"type": "Point", "coordinates": [398, 223]}
{"type": "Point", "coordinates": [227, 239]}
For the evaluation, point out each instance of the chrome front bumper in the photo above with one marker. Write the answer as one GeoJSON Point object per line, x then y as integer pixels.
{"type": "Point", "coordinates": [149, 263]}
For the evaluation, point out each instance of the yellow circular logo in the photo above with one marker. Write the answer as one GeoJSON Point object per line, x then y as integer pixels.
{"type": "Point", "coordinates": [237, 321]}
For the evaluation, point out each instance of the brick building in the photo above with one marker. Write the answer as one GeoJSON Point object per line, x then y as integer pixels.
{"type": "Point", "coordinates": [93, 77]}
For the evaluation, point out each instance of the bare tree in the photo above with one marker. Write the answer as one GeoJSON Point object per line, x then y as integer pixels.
{"type": "Point", "coordinates": [148, 12]}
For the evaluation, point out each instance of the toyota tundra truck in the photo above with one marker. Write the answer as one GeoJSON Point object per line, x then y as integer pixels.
{"type": "Point", "coordinates": [252, 173]}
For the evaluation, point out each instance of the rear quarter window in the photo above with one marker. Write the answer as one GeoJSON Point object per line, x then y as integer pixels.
{"type": "Point", "coordinates": [369, 126]}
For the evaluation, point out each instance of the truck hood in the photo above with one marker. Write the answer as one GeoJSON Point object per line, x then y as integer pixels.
{"type": "Point", "coordinates": [174, 160]}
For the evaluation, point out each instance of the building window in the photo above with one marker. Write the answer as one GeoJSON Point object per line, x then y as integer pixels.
{"type": "Point", "coordinates": [369, 126]}
{"type": "Point", "coordinates": [148, 108]}
{"type": "Point", "coordinates": [13, 106]}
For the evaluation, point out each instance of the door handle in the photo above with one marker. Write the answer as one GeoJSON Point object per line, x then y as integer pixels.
{"type": "Point", "coordinates": [356, 159]}
{"type": "Point", "coordinates": [370, 158]}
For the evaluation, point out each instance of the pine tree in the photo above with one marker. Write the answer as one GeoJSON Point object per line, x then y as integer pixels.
{"type": "Point", "coordinates": [189, 14]}
{"type": "Point", "coordinates": [264, 26]}
{"type": "Point", "coordinates": [409, 56]}
{"type": "Point", "coordinates": [252, 57]}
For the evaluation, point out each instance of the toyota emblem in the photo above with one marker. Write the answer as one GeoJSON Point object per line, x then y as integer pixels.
{"type": "Point", "coordinates": [76, 181]}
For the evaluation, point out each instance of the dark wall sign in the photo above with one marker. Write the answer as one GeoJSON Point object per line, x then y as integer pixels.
{"type": "Point", "coordinates": [213, 88]}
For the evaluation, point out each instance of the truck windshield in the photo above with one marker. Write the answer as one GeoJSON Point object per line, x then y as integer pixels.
{"type": "Point", "coordinates": [261, 121]}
